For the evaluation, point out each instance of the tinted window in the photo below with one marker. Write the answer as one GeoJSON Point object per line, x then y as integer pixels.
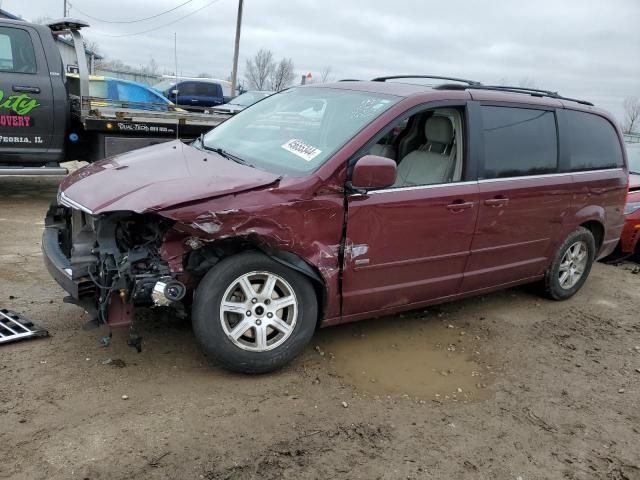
{"type": "Point", "coordinates": [206, 89]}
{"type": "Point", "coordinates": [519, 141]}
{"type": "Point", "coordinates": [16, 51]}
{"type": "Point", "coordinates": [187, 89]}
{"type": "Point", "coordinates": [593, 142]}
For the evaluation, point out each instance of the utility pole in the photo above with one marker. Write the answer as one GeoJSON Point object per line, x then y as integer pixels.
{"type": "Point", "coordinates": [66, 8]}
{"type": "Point", "coordinates": [234, 72]}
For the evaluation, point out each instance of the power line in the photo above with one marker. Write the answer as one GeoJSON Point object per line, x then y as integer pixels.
{"type": "Point", "coordinates": [155, 28]}
{"type": "Point", "coordinates": [129, 21]}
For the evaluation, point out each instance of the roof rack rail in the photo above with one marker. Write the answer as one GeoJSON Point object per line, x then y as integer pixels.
{"type": "Point", "coordinates": [397, 77]}
{"type": "Point", "coordinates": [534, 92]}
{"type": "Point", "coordinates": [524, 89]}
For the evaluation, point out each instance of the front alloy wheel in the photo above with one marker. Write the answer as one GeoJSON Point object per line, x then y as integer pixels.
{"type": "Point", "coordinates": [253, 314]}
{"type": "Point", "coordinates": [259, 311]}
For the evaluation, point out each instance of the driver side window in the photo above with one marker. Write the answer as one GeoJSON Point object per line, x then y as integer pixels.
{"type": "Point", "coordinates": [427, 147]}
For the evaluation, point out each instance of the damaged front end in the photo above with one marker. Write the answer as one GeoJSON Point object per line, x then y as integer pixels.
{"type": "Point", "coordinates": [111, 262]}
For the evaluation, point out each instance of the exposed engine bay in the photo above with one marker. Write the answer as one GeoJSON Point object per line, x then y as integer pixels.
{"type": "Point", "coordinates": [116, 261]}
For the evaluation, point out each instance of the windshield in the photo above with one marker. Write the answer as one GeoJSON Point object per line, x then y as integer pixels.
{"type": "Point", "coordinates": [248, 98]}
{"type": "Point", "coordinates": [633, 155]}
{"type": "Point", "coordinates": [297, 130]}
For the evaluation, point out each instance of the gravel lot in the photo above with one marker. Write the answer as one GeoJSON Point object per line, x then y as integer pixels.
{"type": "Point", "coordinates": [506, 386]}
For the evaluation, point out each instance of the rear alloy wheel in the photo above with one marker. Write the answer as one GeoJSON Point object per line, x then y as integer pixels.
{"type": "Point", "coordinates": [253, 314]}
{"type": "Point", "coordinates": [571, 265]}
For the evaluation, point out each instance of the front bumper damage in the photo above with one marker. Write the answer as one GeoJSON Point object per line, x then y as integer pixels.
{"type": "Point", "coordinates": [110, 263]}
{"type": "Point", "coordinates": [56, 236]}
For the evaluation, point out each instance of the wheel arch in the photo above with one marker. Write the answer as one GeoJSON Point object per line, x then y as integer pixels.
{"type": "Point", "coordinates": [593, 218]}
{"type": "Point", "coordinates": [203, 259]}
{"type": "Point", "coordinates": [597, 230]}
{"type": "Point", "coordinates": [298, 263]}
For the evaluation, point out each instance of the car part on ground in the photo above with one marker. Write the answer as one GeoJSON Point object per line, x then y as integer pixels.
{"type": "Point", "coordinates": [14, 327]}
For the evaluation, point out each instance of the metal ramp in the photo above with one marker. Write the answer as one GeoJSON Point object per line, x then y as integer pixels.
{"type": "Point", "coordinates": [32, 171]}
{"type": "Point", "coordinates": [14, 327]}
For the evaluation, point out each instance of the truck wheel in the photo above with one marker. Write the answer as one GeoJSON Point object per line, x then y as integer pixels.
{"type": "Point", "coordinates": [253, 314]}
{"type": "Point", "coordinates": [571, 265]}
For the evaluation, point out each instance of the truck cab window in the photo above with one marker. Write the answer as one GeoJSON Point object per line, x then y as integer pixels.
{"type": "Point", "coordinates": [16, 51]}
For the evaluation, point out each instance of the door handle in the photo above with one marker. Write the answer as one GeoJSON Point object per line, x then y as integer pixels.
{"type": "Point", "coordinates": [496, 202]}
{"type": "Point", "coordinates": [459, 206]}
{"type": "Point", "coordinates": [26, 89]}
{"type": "Point", "coordinates": [194, 100]}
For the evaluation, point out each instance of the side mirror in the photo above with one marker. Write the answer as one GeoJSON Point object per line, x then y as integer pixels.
{"type": "Point", "coordinates": [174, 92]}
{"type": "Point", "coordinates": [372, 172]}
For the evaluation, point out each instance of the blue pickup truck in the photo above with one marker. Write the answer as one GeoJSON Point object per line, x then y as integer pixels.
{"type": "Point", "coordinates": [195, 94]}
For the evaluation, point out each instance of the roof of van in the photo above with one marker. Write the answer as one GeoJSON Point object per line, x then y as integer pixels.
{"type": "Point", "coordinates": [476, 92]}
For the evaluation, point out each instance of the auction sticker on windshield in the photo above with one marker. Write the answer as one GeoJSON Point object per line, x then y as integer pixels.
{"type": "Point", "coordinates": [301, 149]}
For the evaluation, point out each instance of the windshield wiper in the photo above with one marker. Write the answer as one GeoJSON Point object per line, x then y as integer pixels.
{"type": "Point", "coordinates": [223, 153]}
{"type": "Point", "coordinates": [634, 173]}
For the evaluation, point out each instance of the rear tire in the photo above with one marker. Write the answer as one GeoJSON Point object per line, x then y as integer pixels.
{"type": "Point", "coordinates": [571, 265]}
{"type": "Point", "coordinates": [253, 314]}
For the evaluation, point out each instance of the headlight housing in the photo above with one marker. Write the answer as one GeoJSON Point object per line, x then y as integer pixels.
{"type": "Point", "coordinates": [67, 202]}
{"type": "Point", "coordinates": [631, 207]}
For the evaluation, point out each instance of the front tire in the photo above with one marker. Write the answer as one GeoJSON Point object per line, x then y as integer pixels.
{"type": "Point", "coordinates": [253, 314]}
{"type": "Point", "coordinates": [571, 265]}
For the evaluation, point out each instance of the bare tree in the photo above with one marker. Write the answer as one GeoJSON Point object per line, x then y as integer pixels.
{"type": "Point", "coordinates": [631, 114]}
{"type": "Point", "coordinates": [324, 74]}
{"type": "Point", "coordinates": [204, 75]}
{"type": "Point", "coordinates": [152, 68]}
{"type": "Point", "coordinates": [282, 75]}
{"type": "Point", "coordinates": [259, 69]}
{"type": "Point", "coordinates": [92, 46]}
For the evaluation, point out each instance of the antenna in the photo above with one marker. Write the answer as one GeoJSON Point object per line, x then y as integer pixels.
{"type": "Point", "coordinates": [175, 54]}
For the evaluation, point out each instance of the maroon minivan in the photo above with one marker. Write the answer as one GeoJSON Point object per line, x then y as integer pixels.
{"type": "Point", "coordinates": [331, 203]}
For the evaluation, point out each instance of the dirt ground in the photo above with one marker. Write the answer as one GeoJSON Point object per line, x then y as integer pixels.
{"type": "Point", "coordinates": [505, 386]}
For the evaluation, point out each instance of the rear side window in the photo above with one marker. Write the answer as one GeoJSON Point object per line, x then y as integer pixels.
{"type": "Point", "coordinates": [519, 142]}
{"type": "Point", "coordinates": [207, 89]}
{"type": "Point", "coordinates": [593, 142]}
{"type": "Point", "coordinates": [16, 51]}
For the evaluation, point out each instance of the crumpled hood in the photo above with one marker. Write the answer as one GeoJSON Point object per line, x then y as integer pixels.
{"type": "Point", "coordinates": [158, 177]}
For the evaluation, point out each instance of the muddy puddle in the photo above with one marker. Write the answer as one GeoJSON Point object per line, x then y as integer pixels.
{"type": "Point", "coordinates": [425, 358]}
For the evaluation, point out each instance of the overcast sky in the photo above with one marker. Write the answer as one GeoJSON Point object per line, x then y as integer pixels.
{"type": "Point", "coordinates": [582, 48]}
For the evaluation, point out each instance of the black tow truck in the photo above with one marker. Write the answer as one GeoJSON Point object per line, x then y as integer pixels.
{"type": "Point", "coordinates": [48, 117]}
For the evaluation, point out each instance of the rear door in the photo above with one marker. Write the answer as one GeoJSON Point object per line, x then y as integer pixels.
{"type": "Point", "coordinates": [523, 199]}
{"type": "Point", "coordinates": [209, 94]}
{"type": "Point", "coordinates": [26, 96]}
